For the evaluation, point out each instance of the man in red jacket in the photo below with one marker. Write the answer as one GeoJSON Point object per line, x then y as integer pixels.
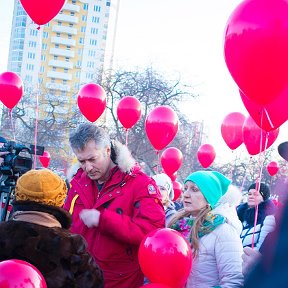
{"type": "Point", "coordinates": [113, 205]}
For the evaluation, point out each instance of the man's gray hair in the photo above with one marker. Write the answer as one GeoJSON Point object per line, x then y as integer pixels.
{"type": "Point", "coordinates": [86, 132]}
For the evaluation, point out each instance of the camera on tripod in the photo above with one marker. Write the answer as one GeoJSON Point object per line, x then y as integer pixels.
{"type": "Point", "coordinates": [16, 162]}
{"type": "Point", "coordinates": [19, 159]}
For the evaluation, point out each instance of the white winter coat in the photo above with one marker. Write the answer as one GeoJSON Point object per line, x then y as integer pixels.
{"type": "Point", "coordinates": [219, 262]}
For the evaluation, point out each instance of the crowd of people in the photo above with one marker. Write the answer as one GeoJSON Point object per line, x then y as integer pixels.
{"type": "Point", "coordinates": [89, 235]}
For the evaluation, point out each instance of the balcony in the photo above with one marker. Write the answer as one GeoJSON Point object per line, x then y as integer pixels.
{"type": "Point", "coordinates": [63, 41]}
{"type": "Point", "coordinates": [67, 18]}
{"type": "Point", "coordinates": [71, 7]}
{"type": "Point", "coordinates": [59, 75]}
{"type": "Point", "coordinates": [64, 29]}
{"type": "Point", "coordinates": [61, 64]}
{"type": "Point", "coordinates": [62, 52]}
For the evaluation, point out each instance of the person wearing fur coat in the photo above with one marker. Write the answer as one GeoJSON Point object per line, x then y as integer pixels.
{"type": "Point", "coordinates": [114, 205]}
{"type": "Point", "coordinates": [38, 233]}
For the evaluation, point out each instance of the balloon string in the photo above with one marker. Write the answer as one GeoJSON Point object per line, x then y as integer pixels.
{"type": "Point", "coordinates": [127, 137]}
{"type": "Point", "coordinates": [37, 101]}
{"type": "Point", "coordinates": [268, 117]}
{"type": "Point", "coordinates": [12, 124]}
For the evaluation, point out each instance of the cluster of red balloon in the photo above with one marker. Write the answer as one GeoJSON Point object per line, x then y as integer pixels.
{"type": "Point", "coordinates": [237, 129]}
{"type": "Point", "coordinates": [18, 273]}
{"type": "Point", "coordinates": [255, 50]}
{"type": "Point", "coordinates": [165, 258]}
{"type": "Point", "coordinates": [171, 160]}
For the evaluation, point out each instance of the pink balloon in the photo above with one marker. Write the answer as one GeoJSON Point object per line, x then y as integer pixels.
{"type": "Point", "coordinates": [206, 155]}
{"type": "Point", "coordinates": [41, 12]}
{"type": "Point", "coordinates": [165, 257]}
{"type": "Point", "coordinates": [177, 187]}
{"type": "Point", "coordinates": [92, 101]}
{"type": "Point", "coordinates": [173, 176]}
{"type": "Point", "coordinates": [129, 111]}
{"type": "Point", "coordinates": [161, 126]}
{"type": "Point", "coordinates": [255, 138]}
{"type": "Point", "coordinates": [255, 49]}
{"type": "Point", "coordinates": [272, 168]}
{"type": "Point", "coordinates": [270, 116]}
{"type": "Point", "coordinates": [45, 159]}
{"type": "Point", "coordinates": [171, 160]}
{"type": "Point", "coordinates": [11, 89]}
{"type": "Point", "coordinates": [231, 129]}
{"type": "Point", "coordinates": [18, 273]}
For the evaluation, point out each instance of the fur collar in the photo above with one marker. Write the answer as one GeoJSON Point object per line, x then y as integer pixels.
{"type": "Point", "coordinates": [60, 214]}
{"type": "Point", "coordinates": [247, 214]}
{"type": "Point", "coordinates": [124, 160]}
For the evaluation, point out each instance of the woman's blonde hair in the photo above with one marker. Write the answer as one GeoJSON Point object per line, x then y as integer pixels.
{"type": "Point", "coordinates": [198, 221]}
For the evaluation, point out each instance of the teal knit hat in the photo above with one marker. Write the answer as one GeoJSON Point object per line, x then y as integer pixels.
{"type": "Point", "coordinates": [213, 185]}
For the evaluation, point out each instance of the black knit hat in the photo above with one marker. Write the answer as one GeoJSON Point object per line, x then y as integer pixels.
{"type": "Point", "coordinates": [263, 190]}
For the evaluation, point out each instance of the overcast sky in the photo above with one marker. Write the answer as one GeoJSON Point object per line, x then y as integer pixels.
{"type": "Point", "coordinates": [184, 37]}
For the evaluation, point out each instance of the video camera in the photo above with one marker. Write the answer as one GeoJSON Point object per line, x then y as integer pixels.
{"type": "Point", "coordinates": [19, 159]}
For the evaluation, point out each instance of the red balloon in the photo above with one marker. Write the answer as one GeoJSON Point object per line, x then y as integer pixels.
{"type": "Point", "coordinates": [270, 116]}
{"type": "Point", "coordinates": [206, 155]}
{"type": "Point", "coordinates": [41, 12]}
{"type": "Point", "coordinates": [231, 129]}
{"type": "Point", "coordinates": [177, 187]}
{"type": "Point", "coordinates": [92, 101]}
{"type": "Point", "coordinates": [255, 49]}
{"type": "Point", "coordinates": [45, 159]}
{"type": "Point", "coordinates": [255, 138]}
{"type": "Point", "coordinates": [171, 160]}
{"type": "Point", "coordinates": [173, 176]}
{"type": "Point", "coordinates": [272, 168]}
{"type": "Point", "coordinates": [18, 273]}
{"type": "Point", "coordinates": [165, 257]}
{"type": "Point", "coordinates": [161, 126]}
{"type": "Point", "coordinates": [129, 111]}
{"type": "Point", "coordinates": [11, 89]}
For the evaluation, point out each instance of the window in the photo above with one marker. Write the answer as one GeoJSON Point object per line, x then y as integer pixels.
{"type": "Point", "coordinates": [93, 42]}
{"type": "Point", "coordinates": [45, 34]}
{"type": "Point", "coordinates": [84, 18]}
{"type": "Point", "coordinates": [57, 34]}
{"type": "Point", "coordinates": [56, 45]}
{"type": "Point", "coordinates": [53, 68]}
{"type": "Point", "coordinates": [97, 8]}
{"type": "Point", "coordinates": [33, 32]}
{"type": "Point", "coordinates": [71, 25]}
{"type": "Point", "coordinates": [80, 51]}
{"type": "Point", "coordinates": [72, 13]}
{"type": "Point", "coordinates": [68, 47]}
{"type": "Point", "coordinates": [42, 69]}
{"type": "Point", "coordinates": [85, 6]}
{"type": "Point", "coordinates": [59, 23]}
{"type": "Point", "coordinates": [44, 46]}
{"type": "Point", "coordinates": [83, 29]}
{"type": "Point", "coordinates": [65, 70]}
{"type": "Point", "coordinates": [94, 30]}
{"type": "Point", "coordinates": [67, 59]}
{"type": "Point", "coordinates": [43, 57]}
{"type": "Point", "coordinates": [108, 4]}
{"type": "Point", "coordinates": [64, 82]}
{"type": "Point", "coordinates": [31, 55]}
{"type": "Point", "coordinates": [69, 36]}
{"type": "Point", "coordinates": [32, 44]}
{"type": "Point", "coordinates": [95, 19]}
{"type": "Point", "coordinates": [81, 40]}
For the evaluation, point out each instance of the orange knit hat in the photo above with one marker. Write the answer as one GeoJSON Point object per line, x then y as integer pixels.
{"type": "Point", "coordinates": [43, 186]}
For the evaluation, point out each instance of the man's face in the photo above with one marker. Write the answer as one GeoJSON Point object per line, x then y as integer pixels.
{"type": "Point", "coordinates": [95, 161]}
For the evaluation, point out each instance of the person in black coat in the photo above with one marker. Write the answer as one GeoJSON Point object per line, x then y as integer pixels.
{"type": "Point", "coordinates": [37, 233]}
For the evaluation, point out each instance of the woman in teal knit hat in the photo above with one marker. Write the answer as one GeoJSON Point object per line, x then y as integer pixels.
{"type": "Point", "coordinates": [216, 245]}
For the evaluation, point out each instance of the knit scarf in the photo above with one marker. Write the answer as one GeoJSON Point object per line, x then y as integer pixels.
{"type": "Point", "coordinates": [211, 222]}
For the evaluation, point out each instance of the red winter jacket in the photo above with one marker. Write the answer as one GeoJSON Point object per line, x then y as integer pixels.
{"type": "Point", "coordinates": [130, 208]}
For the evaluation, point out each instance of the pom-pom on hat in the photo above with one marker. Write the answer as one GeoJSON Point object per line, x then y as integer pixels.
{"type": "Point", "coordinates": [263, 190]}
{"type": "Point", "coordinates": [212, 184]}
{"type": "Point", "coordinates": [42, 186]}
{"type": "Point", "coordinates": [164, 180]}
